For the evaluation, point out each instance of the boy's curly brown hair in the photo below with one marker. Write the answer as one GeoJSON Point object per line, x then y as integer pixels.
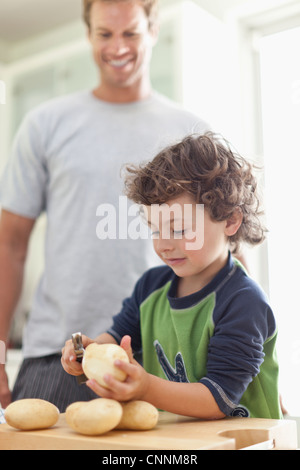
{"type": "Point", "coordinates": [206, 168]}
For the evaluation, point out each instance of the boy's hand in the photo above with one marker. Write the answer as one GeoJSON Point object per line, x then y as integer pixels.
{"type": "Point", "coordinates": [135, 385]}
{"type": "Point", "coordinates": [68, 358]}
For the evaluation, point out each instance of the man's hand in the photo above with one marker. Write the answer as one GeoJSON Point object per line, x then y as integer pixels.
{"type": "Point", "coordinates": [5, 394]}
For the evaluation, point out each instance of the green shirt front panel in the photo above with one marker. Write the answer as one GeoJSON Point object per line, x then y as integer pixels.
{"type": "Point", "coordinates": [173, 331]}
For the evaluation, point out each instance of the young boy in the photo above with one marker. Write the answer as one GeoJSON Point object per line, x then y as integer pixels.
{"type": "Point", "coordinates": [204, 327]}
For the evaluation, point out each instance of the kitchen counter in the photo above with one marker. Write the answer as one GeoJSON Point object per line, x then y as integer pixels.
{"type": "Point", "coordinates": [173, 432]}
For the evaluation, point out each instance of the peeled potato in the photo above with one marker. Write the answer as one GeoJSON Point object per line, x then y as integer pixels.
{"type": "Point", "coordinates": [138, 415]}
{"type": "Point", "coordinates": [30, 414]}
{"type": "Point", "coordinates": [94, 417]}
{"type": "Point", "coordinates": [99, 359]}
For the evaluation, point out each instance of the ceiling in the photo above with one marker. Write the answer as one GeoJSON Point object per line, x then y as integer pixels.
{"type": "Point", "coordinates": [22, 19]}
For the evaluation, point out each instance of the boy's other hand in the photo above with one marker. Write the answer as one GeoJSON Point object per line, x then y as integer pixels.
{"type": "Point", "coordinates": [135, 385]}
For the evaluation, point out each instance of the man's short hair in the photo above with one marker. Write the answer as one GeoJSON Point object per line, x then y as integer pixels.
{"type": "Point", "coordinates": [150, 7]}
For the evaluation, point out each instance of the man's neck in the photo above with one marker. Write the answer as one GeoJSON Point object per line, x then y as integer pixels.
{"type": "Point", "coordinates": [123, 94]}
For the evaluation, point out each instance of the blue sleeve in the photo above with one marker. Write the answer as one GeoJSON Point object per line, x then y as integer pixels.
{"type": "Point", "coordinates": [236, 350]}
{"type": "Point", "coordinates": [127, 322]}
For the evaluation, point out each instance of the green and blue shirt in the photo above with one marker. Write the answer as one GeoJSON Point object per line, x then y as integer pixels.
{"type": "Point", "coordinates": [222, 336]}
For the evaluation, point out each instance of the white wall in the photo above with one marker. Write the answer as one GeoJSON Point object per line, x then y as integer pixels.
{"type": "Point", "coordinates": [210, 66]}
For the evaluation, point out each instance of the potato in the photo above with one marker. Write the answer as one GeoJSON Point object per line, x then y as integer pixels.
{"type": "Point", "coordinates": [72, 410]}
{"type": "Point", "coordinates": [94, 417]}
{"type": "Point", "coordinates": [138, 415]}
{"type": "Point", "coordinates": [99, 359]}
{"type": "Point", "coordinates": [30, 414]}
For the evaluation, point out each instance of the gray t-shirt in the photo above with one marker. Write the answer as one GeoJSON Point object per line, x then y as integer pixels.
{"type": "Point", "coordinates": [66, 160]}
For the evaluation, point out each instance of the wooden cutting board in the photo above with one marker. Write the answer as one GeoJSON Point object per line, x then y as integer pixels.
{"type": "Point", "coordinates": [172, 432]}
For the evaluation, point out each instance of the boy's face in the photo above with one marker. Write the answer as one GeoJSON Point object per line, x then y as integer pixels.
{"type": "Point", "coordinates": [122, 42]}
{"type": "Point", "coordinates": [196, 247]}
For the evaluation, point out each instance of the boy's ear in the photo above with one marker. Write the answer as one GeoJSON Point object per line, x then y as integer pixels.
{"type": "Point", "coordinates": [234, 223]}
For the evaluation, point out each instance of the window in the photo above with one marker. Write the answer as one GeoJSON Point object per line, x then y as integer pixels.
{"type": "Point", "coordinates": [280, 110]}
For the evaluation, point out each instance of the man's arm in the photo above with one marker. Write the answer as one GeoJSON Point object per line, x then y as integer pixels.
{"type": "Point", "coordinates": [14, 236]}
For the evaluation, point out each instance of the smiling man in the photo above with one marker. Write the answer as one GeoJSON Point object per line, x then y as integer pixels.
{"type": "Point", "coordinates": [66, 161]}
{"type": "Point", "coordinates": [122, 38]}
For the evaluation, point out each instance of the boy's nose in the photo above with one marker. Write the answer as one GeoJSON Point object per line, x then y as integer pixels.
{"type": "Point", "coordinates": [164, 244]}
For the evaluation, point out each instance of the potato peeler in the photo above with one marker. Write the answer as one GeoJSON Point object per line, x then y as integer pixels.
{"type": "Point", "coordinates": [79, 352]}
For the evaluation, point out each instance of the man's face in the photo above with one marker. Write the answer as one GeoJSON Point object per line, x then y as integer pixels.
{"type": "Point", "coordinates": [122, 42]}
